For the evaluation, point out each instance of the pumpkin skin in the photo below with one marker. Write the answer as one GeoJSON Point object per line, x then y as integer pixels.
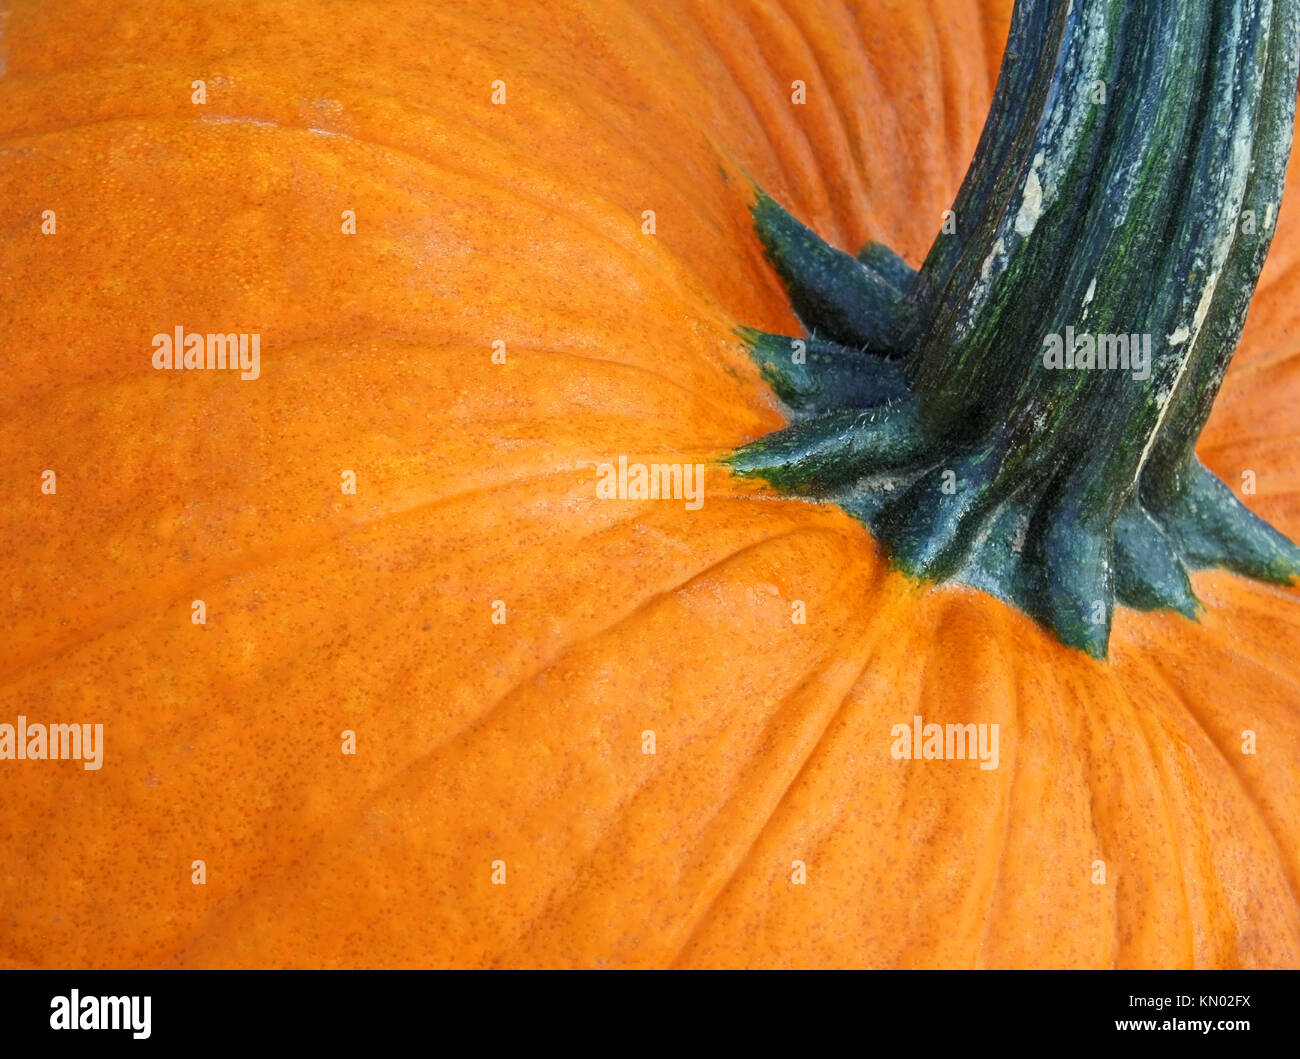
{"type": "Point", "coordinates": [522, 742]}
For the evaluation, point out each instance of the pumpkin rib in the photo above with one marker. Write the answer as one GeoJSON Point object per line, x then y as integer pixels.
{"type": "Point", "coordinates": [709, 217]}
{"type": "Point", "coordinates": [1178, 719]}
{"type": "Point", "coordinates": [786, 137]}
{"type": "Point", "coordinates": [604, 631]}
{"type": "Point", "coordinates": [1106, 832]}
{"type": "Point", "coordinates": [459, 344]}
{"type": "Point", "coordinates": [1257, 592]}
{"type": "Point", "coordinates": [905, 158]}
{"type": "Point", "coordinates": [884, 163]}
{"type": "Point", "coordinates": [648, 17]}
{"type": "Point", "coordinates": [327, 345]}
{"type": "Point", "coordinates": [814, 822]}
{"type": "Point", "coordinates": [844, 106]}
{"type": "Point", "coordinates": [668, 52]}
{"type": "Point", "coordinates": [694, 917]}
{"type": "Point", "coordinates": [1281, 946]}
{"type": "Point", "coordinates": [347, 825]}
{"type": "Point", "coordinates": [272, 554]}
{"type": "Point", "coordinates": [710, 356]}
{"type": "Point", "coordinates": [1285, 869]}
{"type": "Point", "coordinates": [998, 632]}
{"type": "Point", "coordinates": [706, 399]}
{"type": "Point", "coordinates": [636, 145]}
{"type": "Point", "coordinates": [324, 345]}
{"type": "Point", "coordinates": [1256, 790]}
{"type": "Point", "coordinates": [872, 632]}
{"type": "Point", "coordinates": [1131, 925]}
{"type": "Point", "coordinates": [485, 145]}
{"type": "Point", "coordinates": [701, 914]}
{"type": "Point", "coordinates": [993, 666]}
{"type": "Point", "coordinates": [838, 155]}
{"type": "Point", "coordinates": [930, 66]}
{"type": "Point", "coordinates": [743, 861]}
{"type": "Point", "coordinates": [1258, 648]}
{"type": "Point", "coordinates": [870, 79]}
{"type": "Point", "coordinates": [1139, 724]}
{"type": "Point", "coordinates": [716, 213]}
{"type": "Point", "coordinates": [1272, 668]}
{"type": "Point", "coordinates": [645, 253]}
{"type": "Point", "coordinates": [958, 102]}
{"type": "Point", "coordinates": [964, 653]}
{"type": "Point", "coordinates": [1102, 842]}
{"type": "Point", "coordinates": [1289, 595]}
{"type": "Point", "coordinates": [1038, 680]}
{"type": "Point", "coordinates": [1170, 856]}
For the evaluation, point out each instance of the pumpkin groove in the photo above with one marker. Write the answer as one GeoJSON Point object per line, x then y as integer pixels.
{"type": "Point", "coordinates": [370, 612]}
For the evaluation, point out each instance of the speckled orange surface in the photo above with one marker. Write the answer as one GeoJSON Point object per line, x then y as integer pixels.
{"type": "Point", "coordinates": [522, 742]}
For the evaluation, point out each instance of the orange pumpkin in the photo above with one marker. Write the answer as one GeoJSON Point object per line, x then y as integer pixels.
{"type": "Point", "coordinates": [501, 808]}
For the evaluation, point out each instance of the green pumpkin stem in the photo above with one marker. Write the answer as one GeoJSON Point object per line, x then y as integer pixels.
{"type": "Point", "coordinates": [1021, 413]}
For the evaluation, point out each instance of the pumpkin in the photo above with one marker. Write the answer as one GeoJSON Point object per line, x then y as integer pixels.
{"type": "Point", "coordinates": [587, 732]}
